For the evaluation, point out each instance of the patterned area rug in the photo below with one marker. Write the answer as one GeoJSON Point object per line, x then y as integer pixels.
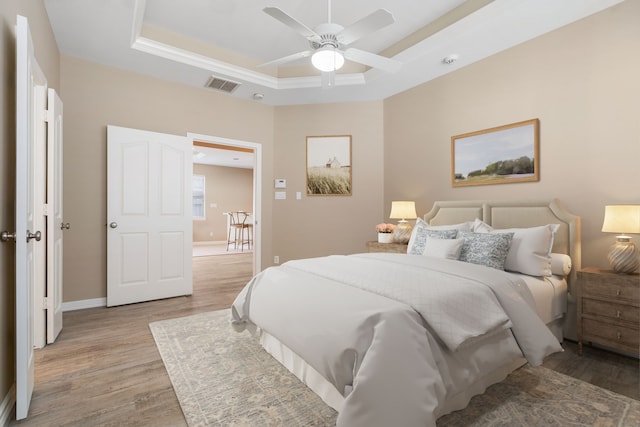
{"type": "Point", "coordinates": [225, 378]}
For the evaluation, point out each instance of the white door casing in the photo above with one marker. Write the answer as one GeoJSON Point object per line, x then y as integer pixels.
{"type": "Point", "coordinates": [149, 219]}
{"type": "Point", "coordinates": [257, 187]}
{"type": "Point", "coordinates": [28, 77]}
{"type": "Point", "coordinates": [55, 224]}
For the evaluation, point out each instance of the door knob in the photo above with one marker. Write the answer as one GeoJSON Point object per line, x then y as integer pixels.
{"type": "Point", "coordinates": [37, 235]}
{"type": "Point", "coordinates": [113, 225]}
{"type": "Point", "coordinates": [64, 226]}
{"type": "Point", "coordinates": [5, 236]}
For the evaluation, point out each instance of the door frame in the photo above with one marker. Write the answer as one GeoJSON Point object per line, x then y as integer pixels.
{"type": "Point", "coordinates": [257, 186]}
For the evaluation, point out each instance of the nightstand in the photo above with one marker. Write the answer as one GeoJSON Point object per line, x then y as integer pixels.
{"type": "Point", "coordinates": [400, 248]}
{"type": "Point", "coordinates": [609, 309]}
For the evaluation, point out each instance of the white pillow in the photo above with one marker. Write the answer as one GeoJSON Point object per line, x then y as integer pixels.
{"type": "Point", "coordinates": [463, 226]}
{"type": "Point", "coordinates": [530, 251]}
{"type": "Point", "coordinates": [479, 226]}
{"type": "Point", "coordinates": [443, 248]}
{"type": "Point", "coordinates": [560, 264]}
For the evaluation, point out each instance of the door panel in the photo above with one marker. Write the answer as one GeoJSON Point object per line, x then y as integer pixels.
{"type": "Point", "coordinates": [55, 224]}
{"type": "Point", "coordinates": [28, 76]}
{"type": "Point", "coordinates": [149, 230]}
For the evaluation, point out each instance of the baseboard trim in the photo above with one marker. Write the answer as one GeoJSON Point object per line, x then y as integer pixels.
{"type": "Point", "coordinates": [209, 242]}
{"type": "Point", "coordinates": [85, 303]}
{"type": "Point", "coordinates": [7, 406]}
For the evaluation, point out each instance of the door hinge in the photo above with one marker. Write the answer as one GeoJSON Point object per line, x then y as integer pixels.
{"type": "Point", "coordinates": [45, 303]}
{"type": "Point", "coordinates": [45, 209]}
{"type": "Point", "coordinates": [48, 116]}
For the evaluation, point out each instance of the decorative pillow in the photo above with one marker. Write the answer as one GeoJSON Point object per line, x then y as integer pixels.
{"type": "Point", "coordinates": [560, 264]}
{"type": "Point", "coordinates": [443, 248]}
{"type": "Point", "coordinates": [530, 251]}
{"type": "Point", "coordinates": [421, 232]}
{"type": "Point", "coordinates": [489, 249]}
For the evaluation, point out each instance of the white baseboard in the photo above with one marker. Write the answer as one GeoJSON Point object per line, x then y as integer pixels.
{"type": "Point", "coordinates": [85, 303]}
{"type": "Point", "coordinates": [7, 406]}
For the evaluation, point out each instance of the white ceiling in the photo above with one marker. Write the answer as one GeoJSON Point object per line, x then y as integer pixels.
{"type": "Point", "coordinates": [188, 41]}
{"type": "Point", "coordinates": [219, 157]}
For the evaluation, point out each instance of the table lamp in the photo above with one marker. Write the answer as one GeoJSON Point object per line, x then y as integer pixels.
{"type": "Point", "coordinates": [402, 210]}
{"type": "Point", "coordinates": [622, 219]}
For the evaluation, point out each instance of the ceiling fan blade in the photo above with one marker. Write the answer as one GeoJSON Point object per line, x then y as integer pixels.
{"type": "Point", "coordinates": [290, 22]}
{"type": "Point", "coordinates": [288, 58]}
{"type": "Point", "coordinates": [370, 23]}
{"type": "Point", "coordinates": [372, 60]}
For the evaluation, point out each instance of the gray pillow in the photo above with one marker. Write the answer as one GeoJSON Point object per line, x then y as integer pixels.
{"type": "Point", "coordinates": [485, 249]}
{"type": "Point", "coordinates": [421, 234]}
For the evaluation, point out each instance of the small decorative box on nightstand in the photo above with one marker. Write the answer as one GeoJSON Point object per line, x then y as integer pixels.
{"type": "Point", "coordinates": [374, 246]}
{"type": "Point", "coordinates": [609, 309]}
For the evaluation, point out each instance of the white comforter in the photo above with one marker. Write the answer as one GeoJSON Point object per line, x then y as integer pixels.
{"type": "Point", "coordinates": [374, 326]}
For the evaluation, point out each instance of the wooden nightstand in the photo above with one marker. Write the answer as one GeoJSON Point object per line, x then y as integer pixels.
{"type": "Point", "coordinates": [609, 309]}
{"type": "Point", "coordinates": [374, 246]}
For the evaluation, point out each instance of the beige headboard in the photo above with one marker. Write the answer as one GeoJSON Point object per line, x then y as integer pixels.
{"type": "Point", "coordinates": [516, 214]}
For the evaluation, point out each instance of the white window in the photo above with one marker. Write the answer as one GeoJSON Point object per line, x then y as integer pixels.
{"type": "Point", "coordinates": [197, 197]}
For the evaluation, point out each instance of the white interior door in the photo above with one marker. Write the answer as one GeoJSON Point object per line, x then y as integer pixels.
{"type": "Point", "coordinates": [55, 224]}
{"type": "Point", "coordinates": [149, 219]}
{"type": "Point", "coordinates": [28, 77]}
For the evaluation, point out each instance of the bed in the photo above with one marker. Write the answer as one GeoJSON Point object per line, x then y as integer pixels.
{"type": "Point", "coordinates": [389, 338]}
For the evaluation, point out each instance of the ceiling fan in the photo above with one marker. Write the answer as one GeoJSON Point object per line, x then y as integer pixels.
{"type": "Point", "coordinates": [329, 42]}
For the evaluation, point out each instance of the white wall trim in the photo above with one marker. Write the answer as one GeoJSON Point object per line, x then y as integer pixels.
{"type": "Point", "coordinates": [6, 408]}
{"type": "Point", "coordinates": [85, 303]}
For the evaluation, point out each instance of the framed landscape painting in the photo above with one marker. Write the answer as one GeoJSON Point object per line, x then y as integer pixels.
{"type": "Point", "coordinates": [500, 155]}
{"type": "Point", "coordinates": [329, 165]}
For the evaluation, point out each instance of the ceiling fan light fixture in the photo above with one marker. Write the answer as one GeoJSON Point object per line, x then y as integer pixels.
{"type": "Point", "coordinates": [327, 59]}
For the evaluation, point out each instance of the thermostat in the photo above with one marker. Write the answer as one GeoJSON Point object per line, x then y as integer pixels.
{"type": "Point", "coordinates": [280, 183]}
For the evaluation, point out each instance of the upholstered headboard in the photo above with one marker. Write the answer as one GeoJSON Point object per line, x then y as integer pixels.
{"type": "Point", "coordinates": [516, 214]}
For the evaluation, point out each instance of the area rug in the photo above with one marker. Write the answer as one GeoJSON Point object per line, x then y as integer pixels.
{"type": "Point", "coordinates": [224, 378]}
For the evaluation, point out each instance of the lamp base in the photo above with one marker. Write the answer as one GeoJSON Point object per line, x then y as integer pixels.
{"type": "Point", "coordinates": [623, 257]}
{"type": "Point", "coordinates": [402, 232]}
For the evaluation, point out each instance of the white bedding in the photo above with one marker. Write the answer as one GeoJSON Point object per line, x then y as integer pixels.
{"type": "Point", "coordinates": [549, 294]}
{"type": "Point", "coordinates": [389, 362]}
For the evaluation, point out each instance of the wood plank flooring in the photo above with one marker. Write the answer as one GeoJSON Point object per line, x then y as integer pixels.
{"type": "Point", "coordinates": [105, 370]}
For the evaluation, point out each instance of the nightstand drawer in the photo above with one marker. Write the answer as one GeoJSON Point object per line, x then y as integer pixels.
{"type": "Point", "coordinates": [614, 288]}
{"type": "Point", "coordinates": [610, 334]}
{"type": "Point", "coordinates": [625, 313]}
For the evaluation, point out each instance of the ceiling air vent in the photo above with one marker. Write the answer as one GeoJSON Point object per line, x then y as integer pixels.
{"type": "Point", "coordinates": [221, 84]}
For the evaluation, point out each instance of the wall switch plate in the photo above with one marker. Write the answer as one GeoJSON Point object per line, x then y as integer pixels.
{"type": "Point", "coordinates": [298, 195]}
{"type": "Point", "coordinates": [276, 259]}
{"type": "Point", "coordinates": [280, 183]}
{"type": "Point", "coordinates": [281, 195]}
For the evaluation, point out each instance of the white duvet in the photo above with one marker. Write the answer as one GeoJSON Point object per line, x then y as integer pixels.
{"type": "Point", "coordinates": [376, 326]}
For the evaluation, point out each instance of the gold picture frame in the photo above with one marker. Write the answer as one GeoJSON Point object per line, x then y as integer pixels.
{"type": "Point", "coordinates": [329, 165]}
{"type": "Point", "coordinates": [500, 155]}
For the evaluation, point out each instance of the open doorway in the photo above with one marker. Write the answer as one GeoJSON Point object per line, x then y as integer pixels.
{"type": "Point", "coordinates": [226, 179]}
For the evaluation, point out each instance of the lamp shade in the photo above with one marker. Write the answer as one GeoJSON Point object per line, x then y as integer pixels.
{"type": "Point", "coordinates": [327, 59]}
{"type": "Point", "coordinates": [403, 210]}
{"type": "Point", "coordinates": [621, 219]}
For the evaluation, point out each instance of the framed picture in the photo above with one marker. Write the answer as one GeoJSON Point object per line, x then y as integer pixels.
{"type": "Point", "coordinates": [500, 155]}
{"type": "Point", "coordinates": [329, 165]}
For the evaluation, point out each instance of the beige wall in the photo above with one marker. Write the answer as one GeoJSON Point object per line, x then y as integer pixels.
{"type": "Point", "coordinates": [95, 96]}
{"type": "Point", "coordinates": [581, 81]}
{"type": "Point", "coordinates": [48, 58]}
{"type": "Point", "coordinates": [322, 225]}
{"type": "Point", "coordinates": [230, 189]}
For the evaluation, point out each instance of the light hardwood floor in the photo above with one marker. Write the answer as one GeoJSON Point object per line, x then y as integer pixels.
{"type": "Point", "coordinates": [105, 370]}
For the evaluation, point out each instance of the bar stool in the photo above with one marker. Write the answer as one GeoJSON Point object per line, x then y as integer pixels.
{"type": "Point", "coordinates": [240, 232]}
